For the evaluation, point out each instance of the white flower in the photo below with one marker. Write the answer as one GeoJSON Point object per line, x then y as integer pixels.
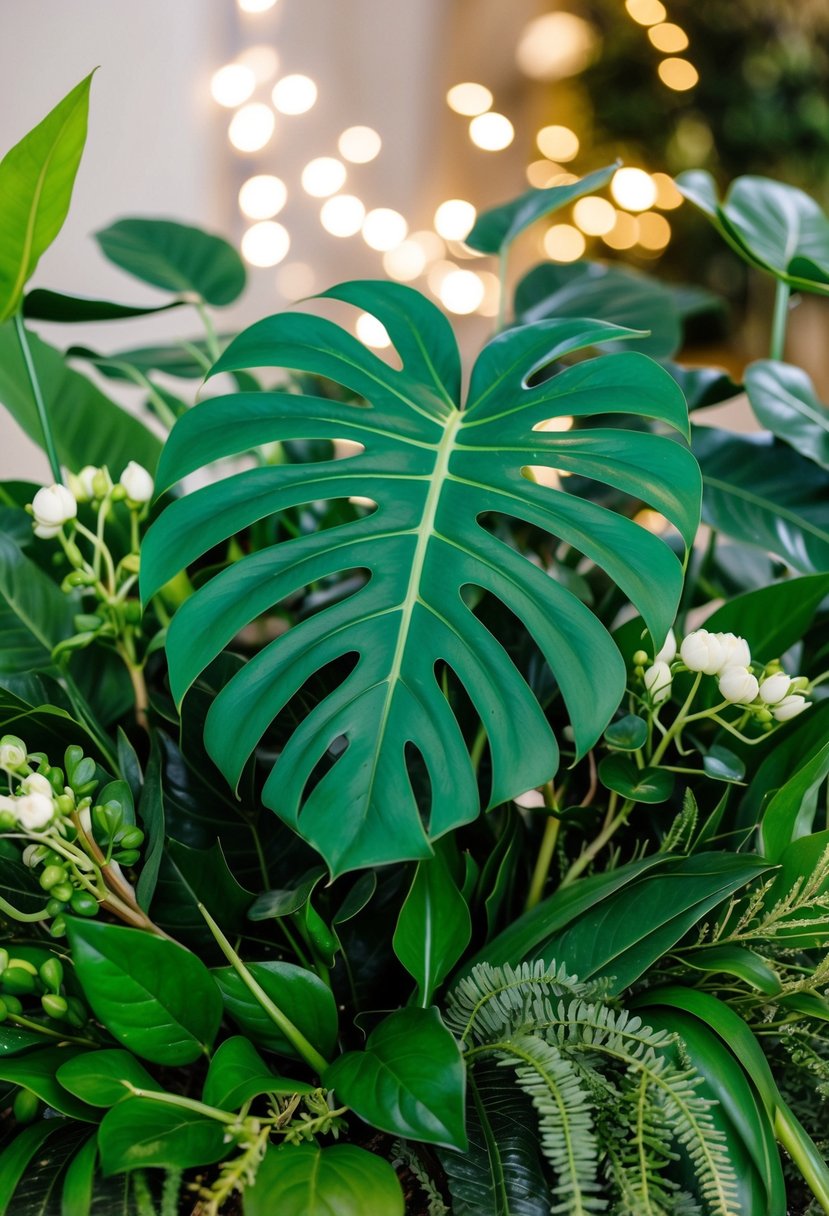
{"type": "Point", "coordinates": [667, 654]}
{"type": "Point", "coordinates": [703, 651]}
{"type": "Point", "coordinates": [31, 856]}
{"type": "Point", "coordinates": [8, 804]}
{"type": "Point", "coordinates": [137, 482]}
{"type": "Point", "coordinates": [736, 650]}
{"type": "Point", "coordinates": [36, 783]}
{"type": "Point", "coordinates": [775, 688]}
{"type": "Point", "coordinates": [737, 684]}
{"type": "Point", "coordinates": [52, 507]}
{"type": "Point", "coordinates": [12, 752]}
{"type": "Point", "coordinates": [658, 682]}
{"type": "Point", "coordinates": [34, 811]}
{"type": "Point", "coordinates": [790, 707]}
{"type": "Point", "coordinates": [81, 483]}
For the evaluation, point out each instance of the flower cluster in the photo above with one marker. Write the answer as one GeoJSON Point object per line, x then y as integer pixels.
{"type": "Point", "coordinates": [55, 506]}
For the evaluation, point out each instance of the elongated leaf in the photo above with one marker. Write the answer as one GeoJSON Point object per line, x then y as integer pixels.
{"type": "Point", "coordinates": [36, 180]}
{"type": "Point", "coordinates": [34, 613]}
{"type": "Point", "coordinates": [496, 229]}
{"type": "Point", "coordinates": [784, 400]}
{"type": "Point", "coordinates": [187, 361]}
{"type": "Point", "coordinates": [36, 1071]}
{"type": "Point", "coordinates": [434, 469]}
{"type": "Point", "coordinates": [16, 1157]}
{"type": "Point", "coordinates": [139, 1132]}
{"type": "Point", "coordinates": [88, 427]}
{"type": "Point", "coordinates": [103, 1078]}
{"type": "Point", "coordinates": [153, 996]}
{"type": "Point", "coordinates": [791, 811]}
{"type": "Point", "coordinates": [800, 739]}
{"type": "Point", "coordinates": [434, 926]}
{"type": "Point", "coordinates": [764, 494]}
{"type": "Point", "coordinates": [306, 1180]}
{"type": "Point", "coordinates": [609, 293]}
{"type": "Point", "coordinates": [306, 1000]}
{"type": "Point", "coordinates": [175, 257]}
{"type": "Point", "coordinates": [735, 960]}
{"type": "Point", "coordinates": [79, 1181]}
{"type": "Point", "coordinates": [773, 618]}
{"type": "Point", "coordinates": [43, 305]}
{"type": "Point", "coordinates": [188, 877]}
{"type": "Point", "coordinates": [703, 386]}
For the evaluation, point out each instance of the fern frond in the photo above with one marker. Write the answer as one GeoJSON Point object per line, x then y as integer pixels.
{"type": "Point", "coordinates": [679, 835]}
{"type": "Point", "coordinates": [490, 1000]}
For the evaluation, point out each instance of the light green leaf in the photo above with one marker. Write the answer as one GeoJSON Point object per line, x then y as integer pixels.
{"type": "Point", "coordinates": [103, 1078]}
{"type": "Point", "coordinates": [36, 1071]}
{"type": "Point", "coordinates": [784, 400]}
{"type": "Point", "coordinates": [434, 469]}
{"type": "Point", "coordinates": [433, 928]}
{"type": "Point", "coordinates": [139, 1132]}
{"type": "Point", "coordinates": [237, 1073]}
{"type": "Point", "coordinates": [310, 1002]}
{"type": "Point", "coordinates": [36, 180]}
{"type": "Point", "coordinates": [306, 1180]}
{"type": "Point", "coordinates": [175, 257]}
{"type": "Point", "coordinates": [791, 810]}
{"type": "Point", "coordinates": [735, 960]}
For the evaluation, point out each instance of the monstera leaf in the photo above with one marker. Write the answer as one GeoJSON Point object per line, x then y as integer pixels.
{"type": "Point", "coordinates": [433, 469]}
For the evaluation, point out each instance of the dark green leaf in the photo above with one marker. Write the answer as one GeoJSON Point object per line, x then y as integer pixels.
{"type": "Point", "coordinates": [16, 1157]}
{"type": "Point", "coordinates": [286, 900]}
{"type": "Point", "coordinates": [306, 1180]}
{"type": "Point", "coordinates": [499, 873]}
{"type": "Point", "coordinates": [189, 877]}
{"type": "Point", "coordinates": [703, 386]}
{"type": "Point", "coordinates": [187, 361]}
{"type": "Point", "coordinates": [103, 1078]}
{"type": "Point", "coordinates": [34, 613]}
{"type": "Point", "coordinates": [434, 926]}
{"type": "Point", "coordinates": [153, 996]}
{"type": "Point", "coordinates": [735, 960]}
{"type": "Point", "coordinates": [238, 1073]}
{"type": "Point", "coordinates": [36, 1071]}
{"type": "Point", "coordinates": [357, 899]}
{"type": "Point", "coordinates": [139, 1132]}
{"type": "Point", "coordinates": [175, 257]}
{"type": "Point", "coordinates": [307, 1000]}
{"type": "Point", "coordinates": [151, 814]}
{"type": "Point", "coordinates": [784, 400]}
{"type": "Point", "coordinates": [36, 180]}
{"type": "Point", "coordinates": [627, 734]}
{"type": "Point", "coordinates": [721, 764]}
{"type": "Point", "coordinates": [409, 1080]}
{"type": "Point", "coordinates": [43, 305]}
{"type": "Point", "coordinates": [79, 1181]}
{"type": "Point", "coordinates": [620, 774]}
{"type": "Point", "coordinates": [772, 619]}
{"type": "Point", "coordinates": [791, 810]}
{"type": "Point", "coordinates": [14, 1039]}
{"type": "Point", "coordinates": [798, 860]}
{"type": "Point", "coordinates": [799, 740]}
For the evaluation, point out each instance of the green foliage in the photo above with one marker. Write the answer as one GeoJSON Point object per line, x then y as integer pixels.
{"type": "Point", "coordinates": [175, 257]}
{"type": "Point", "coordinates": [433, 928]}
{"type": "Point", "coordinates": [784, 400]}
{"type": "Point", "coordinates": [309, 1181]}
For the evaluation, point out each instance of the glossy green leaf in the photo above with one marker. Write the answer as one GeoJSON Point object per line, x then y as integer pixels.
{"type": "Point", "coordinates": [186, 361]}
{"type": "Point", "coordinates": [620, 774]}
{"type": "Point", "coordinates": [795, 743]}
{"type": "Point", "coordinates": [88, 427]}
{"type": "Point", "coordinates": [40, 1190]}
{"type": "Point", "coordinates": [433, 928]}
{"type": "Point", "coordinates": [790, 812]}
{"type": "Point", "coordinates": [772, 618]}
{"type": "Point", "coordinates": [702, 386]}
{"type": "Point", "coordinates": [501, 868]}
{"type": "Point", "coordinates": [735, 960]}
{"type": "Point", "coordinates": [237, 1073]}
{"type": "Point", "coordinates": [306, 1000]}
{"type": "Point", "coordinates": [612, 942]}
{"type": "Point", "coordinates": [434, 469]}
{"type": "Point", "coordinates": [153, 996]}
{"type": "Point", "coordinates": [103, 1078]}
{"type": "Point", "coordinates": [34, 703]}
{"type": "Point", "coordinates": [409, 1080]}
{"type": "Point", "coordinates": [14, 1039]}
{"type": "Point", "coordinates": [784, 400]}
{"type": "Point", "coordinates": [306, 1180]}
{"type": "Point", "coordinates": [627, 734]}
{"type": "Point", "coordinates": [609, 293]}
{"type": "Point", "coordinates": [496, 229]}
{"type": "Point", "coordinates": [79, 1181]}
{"type": "Point", "coordinates": [36, 1071]}
{"type": "Point", "coordinates": [34, 613]}
{"type": "Point", "coordinates": [764, 494]}
{"type": "Point", "coordinates": [36, 180]}
{"type": "Point", "coordinates": [722, 764]}
{"type": "Point", "coordinates": [43, 305]}
{"type": "Point", "coordinates": [175, 257]}
{"type": "Point", "coordinates": [285, 901]}
{"type": "Point", "coordinates": [139, 1132]}
{"type": "Point", "coordinates": [809, 1004]}
{"type": "Point", "coordinates": [189, 877]}
{"type": "Point", "coordinates": [773, 226]}
{"type": "Point", "coordinates": [16, 1157]}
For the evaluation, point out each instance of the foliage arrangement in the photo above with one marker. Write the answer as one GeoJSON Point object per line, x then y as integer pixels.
{"type": "Point", "coordinates": [429, 822]}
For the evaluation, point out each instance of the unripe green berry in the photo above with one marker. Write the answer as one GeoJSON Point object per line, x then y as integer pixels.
{"type": "Point", "coordinates": [51, 972]}
{"type": "Point", "coordinates": [640, 658]}
{"type": "Point", "coordinates": [65, 804]}
{"type": "Point", "coordinates": [58, 928]}
{"type": "Point", "coordinates": [128, 857]}
{"type": "Point", "coordinates": [87, 622]}
{"type": "Point", "coordinates": [4, 960]}
{"type": "Point", "coordinates": [7, 821]}
{"type": "Point", "coordinates": [83, 903]}
{"type": "Point", "coordinates": [24, 965]}
{"type": "Point", "coordinates": [132, 612]}
{"type": "Point", "coordinates": [118, 493]}
{"type": "Point", "coordinates": [55, 906]}
{"type": "Point", "coordinates": [26, 1106]}
{"type": "Point", "coordinates": [131, 838]}
{"type": "Point", "coordinates": [4, 1012]}
{"type": "Point", "coordinates": [18, 982]}
{"type": "Point", "coordinates": [763, 715]}
{"type": "Point", "coordinates": [62, 891]}
{"type": "Point", "coordinates": [13, 1005]}
{"type": "Point", "coordinates": [54, 1006]}
{"type": "Point", "coordinates": [52, 876]}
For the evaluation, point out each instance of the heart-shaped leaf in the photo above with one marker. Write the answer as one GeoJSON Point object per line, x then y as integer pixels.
{"type": "Point", "coordinates": [620, 774]}
{"type": "Point", "coordinates": [409, 1080]}
{"type": "Point", "coordinates": [175, 257]}
{"type": "Point", "coordinates": [628, 734]}
{"type": "Point", "coordinates": [310, 1002]}
{"type": "Point", "coordinates": [434, 470]}
{"type": "Point", "coordinates": [238, 1073]}
{"type": "Point", "coordinates": [103, 1078]}
{"type": "Point", "coordinates": [36, 1071]}
{"type": "Point", "coordinates": [306, 1180]}
{"type": "Point", "coordinates": [784, 400]}
{"type": "Point", "coordinates": [433, 928]}
{"type": "Point", "coordinates": [139, 1132]}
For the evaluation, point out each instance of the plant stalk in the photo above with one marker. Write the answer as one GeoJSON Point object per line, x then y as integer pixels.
{"type": "Point", "coordinates": [779, 320]}
{"type": "Point", "coordinates": [40, 404]}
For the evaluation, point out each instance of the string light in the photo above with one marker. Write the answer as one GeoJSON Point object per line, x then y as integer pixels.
{"type": "Point", "coordinates": [406, 262]}
{"type": "Point", "coordinates": [383, 229]}
{"type": "Point", "coordinates": [342, 215]}
{"type": "Point", "coordinates": [654, 231]}
{"type": "Point", "coordinates": [492, 132]}
{"type": "Point", "coordinates": [678, 74]}
{"type": "Point", "coordinates": [431, 244]}
{"type": "Point", "coordinates": [372, 332]}
{"type": "Point", "coordinates": [646, 12]}
{"type": "Point", "coordinates": [668, 38]}
{"type": "Point", "coordinates": [554, 46]}
{"type": "Point", "coordinates": [323, 176]}
{"type": "Point", "coordinates": [558, 143]}
{"type": "Point", "coordinates": [263, 61]}
{"type": "Point", "coordinates": [461, 291]}
{"type": "Point", "coordinates": [295, 280]}
{"type": "Point", "coordinates": [543, 173]}
{"type": "Point", "coordinates": [256, 6]}
{"type": "Point", "coordinates": [469, 98]}
{"type": "Point", "coordinates": [594, 215]}
{"type": "Point", "coordinates": [359, 145]}
{"type": "Point", "coordinates": [564, 243]}
{"type": "Point", "coordinates": [294, 94]}
{"type": "Point", "coordinates": [633, 189]}
{"type": "Point", "coordinates": [667, 195]}
{"type": "Point", "coordinates": [232, 84]}
{"type": "Point", "coordinates": [624, 234]}
{"type": "Point", "coordinates": [251, 127]}
{"type": "Point", "coordinates": [454, 219]}
{"type": "Point", "coordinates": [265, 244]}
{"type": "Point", "coordinates": [262, 197]}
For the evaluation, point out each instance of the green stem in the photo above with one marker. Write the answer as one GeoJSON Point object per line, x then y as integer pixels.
{"type": "Point", "coordinates": [503, 260]}
{"type": "Point", "coordinates": [804, 1154]}
{"type": "Point", "coordinates": [40, 404]}
{"type": "Point", "coordinates": [209, 329]}
{"type": "Point", "coordinates": [292, 1033]}
{"type": "Point", "coordinates": [200, 1108]}
{"type": "Point", "coordinates": [546, 850]}
{"type": "Point", "coordinates": [678, 723]}
{"type": "Point", "coordinates": [779, 320]}
{"type": "Point", "coordinates": [595, 847]}
{"type": "Point", "coordinates": [63, 1037]}
{"type": "Point", "coordinates": [16, 914]}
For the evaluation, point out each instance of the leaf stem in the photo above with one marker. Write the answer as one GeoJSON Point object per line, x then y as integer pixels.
{"type": "Point", "coordinates": [779, 320]}
{"type": "Point", "coordinates": [503, 262]}
{"type": "Point", "coordinates": [40, 404]}
{"type": "Point", "coordinates": [546, 850]}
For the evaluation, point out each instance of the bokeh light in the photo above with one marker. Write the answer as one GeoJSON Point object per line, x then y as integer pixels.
{"type": "Point", "coordinates": [384, 228]}
{"type": "Point", "coordinates": [372, 332]}
{"type": "Point", "coordinates": [594, 215]}
{"type": "Point", "coordinates": [461, 291]}
{"type": "Point", "coordinates": [678, 74]}
{"type": "Point", "coordinates": [554, 46]}
{"type": "Point", "coordinates": [654, 231]}
{"type": "Point", "coordinates": [558, 143]}
{"type": "Point", "coordinates": [625, 232]}
{"type": "Point", "coordinates": [406, 262]}
{"type": "Point", "coordinates": [256, 6]}
{"type": "Point", "coordinates": [265, 244]}
{"type": "Point", "coordinates": [232, 84]}
{"type": "Point", "coordinates": [469, 98]}
{"type": "Point", "coordinates": [294, 94]}
{"type": "Point", "coordinates": [543, 173]}
{"type": "Point", "coordinates": [251, 127]}
{"type": "Point", "coordinates": [667, 195]}
{"type": "Point", "coordinates": [342, 215]}
{"type": "Point", "coordinates": [323, 176]}
{"type": "Point", "coordinates": [295, 280]}
{"type": "Point", "coordinates": [263, 61]}
{"type": "Point", "coordinates": [262, 197]}
{"type": "Point", "coordinates": [492, 132]}
{"type": "Point", "coordinates": [646, 12]}
{"type": "Point", "coordinates": [564, 243]}
{"type": "Point", "coordinates": [668, 38]}
{"type": "Point", "coordinates": [633, 189]}
{"type": "Point", "coordinates": [359, 145]}
{"type": "Point", "coordinates": [454, 219]}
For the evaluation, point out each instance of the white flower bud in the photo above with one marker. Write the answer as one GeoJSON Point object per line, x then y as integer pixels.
{"type": "Point", "coordinates": [737, 684]}
{"type": "Point", "coordinates": [775, 688]}
{"type": "Point", "coordinates": [658, 682]}
{"type": "Point", "coordinates": [667, 653]}
{"type": "Point", "coordinates": [85, 818]}
{"type": "Point", "coordinates": [36, 783]}
{"type": "Point", "coordinates": [8, 804]}
{"type": "Point", "coordinates": [12, 753]}
{"type": "Point", "coordinates": [52, 507]}
{"type": "Point", "coordinates": [31, 855]}
{"type": "Point", "coordinates": [790, 707]}
{"type": "Point", "coordinates": [737, 653]}
{"type": "Point", "coordinates": [81, 483]}
{"type": "Point", "coordinates": [34, 811]}
{"type": "Point", "coordinates": [703, 651]}
{"type": "Point", "coordinates": [137, 482]}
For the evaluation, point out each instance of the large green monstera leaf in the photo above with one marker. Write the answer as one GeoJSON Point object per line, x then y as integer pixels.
{"type": "Point", "coordinates": [433, 468]}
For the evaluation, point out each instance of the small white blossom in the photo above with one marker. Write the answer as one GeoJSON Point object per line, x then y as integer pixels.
{"type": "Point", "coordinates": [137, 482]}
{"type": "Point", "coordinates": [703, 651]}
{"type": "Point", "coordinates": [81, 483]}
{"type": "Point", "coordinates": [790, 707]}
{"type": "Point", "coordinates": [774, 688]}
{"type": "Point", "coordinates": [737, 684]}
{"type": "Point", "coordinates": [12, 753]}
{"type": "Point", "coordinates": [52, 507]}
{"type": "Point", "coordinates": [8, 804]}
{"type": "Point", "coordinates": [667, 653]}
{"type": "Point", "coordinates": [34, 811]}
{"type": "Point", "coordinates": [736, 650]}
{"type": "Point", "coordinates": [36, 783]}
{"type": "Point", "coordinates": [658, 682]}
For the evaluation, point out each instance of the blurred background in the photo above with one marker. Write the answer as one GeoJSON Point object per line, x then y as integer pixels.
{"type": "Point", "coordinates": [338, 140]}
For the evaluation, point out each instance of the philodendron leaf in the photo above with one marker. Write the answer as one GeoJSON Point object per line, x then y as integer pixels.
{"type": "Point", "coordinates": [620, 774]}
{"type": "Point", "coordinates": [628, 734]}
{"type": "Point", "coordinates": [306, 1180]}
{"type": "Point", "coordinates": [409, 1081]}
{"type": "Point", "coordinates": [139, 1132]}
{"type": "Point", "coordinates": [771, 225]}
{"type": "Point", "coordinates": [103, 1078]}
{"type": "Point", "coordinates": [433, 469]}
{"type": "Point", "coordinates": [308, 1000]}
{"type": "Point", "coordinates": [784, 400]}
{"type": "Point", "coordinates": [153, 996]}
{"type": "Point", "coordinates": [36, 180]}
{"type": "Point", "coordinates": [175, 257]}
{"type": "Point", "coordinates": [433, 928]}
{"type": "Point", "coordinates": [496, 229]}
{"type": "Point", "coordinates": [237, 1073]}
